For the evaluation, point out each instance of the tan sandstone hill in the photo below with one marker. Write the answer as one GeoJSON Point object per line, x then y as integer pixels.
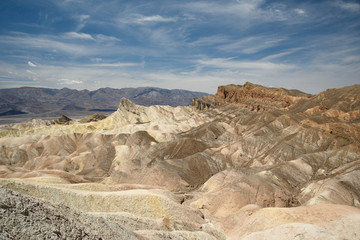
{"type": "Point", "coordinates": [247, 163]}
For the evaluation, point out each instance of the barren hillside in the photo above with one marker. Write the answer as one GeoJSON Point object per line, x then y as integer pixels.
{"type": "Point", "coordinates": [249, 162]}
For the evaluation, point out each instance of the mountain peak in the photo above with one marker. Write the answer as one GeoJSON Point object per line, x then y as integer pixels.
{"type": "Point", "coordinates": [126, 104]}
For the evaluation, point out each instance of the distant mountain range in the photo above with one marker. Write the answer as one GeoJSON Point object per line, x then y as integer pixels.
{"type": "Point", "coordinates": [45, 102]}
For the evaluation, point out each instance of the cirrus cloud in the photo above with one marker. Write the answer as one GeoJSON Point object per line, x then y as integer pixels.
{"type": "Point", "coordinates": [309, 45]}
{"type": "Point", "coordinates": [32, 64]}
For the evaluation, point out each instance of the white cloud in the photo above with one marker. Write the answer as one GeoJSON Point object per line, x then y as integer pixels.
{"type": "Point", "coordinates": [115, 65]}
{"type": "Point", "coordinates": [243, 8]}
{"type": "Point", "coordinates": [243, 14]}
{"type": "Point", "coordinates": [31, 72]}
{"type": "Point", "coordinates": [75, 35]}
{"type": "Point", "coordinates": [65, 81]}
{"type": "Point", "coordinates": [228, 63]}
{"type": "Point", "coordinates": [164, 37]}
{"type": "Point", "coordinates": [105, 38]}
{"type": "Point", "coordinates": [44, 43]}
{"type": "Point", "coordinates": [97, 60]}
{"type": "Point", "coordinates": [252, 44]}
{"type": "Point", "coordinates": [141, 19]}
{"type": "Point", "coordinates": [66, 44]}
{"type": "Point", "coordinates": [31, 64]}
{"type": "Point", "coordinates": [351, 59]}
{"type": "Point", "coordinates": [251, 12]}
{"type": "Point", "coordinates": [211, 40]}
{"type": "Point", "coordinates": [85, 36]}
{"type": "Point", "coordinates": [84, 17]}
{"type": "Point", "coordinates": [300, 11]}
{"type": "Point", "coordinates": [82, 21]}
{"type": "Point", "coordinates": [349, 6]}
{"type": "Point", "coordinates": [279, 55]}
{"type": "Point", "coordinates": [154, 18]}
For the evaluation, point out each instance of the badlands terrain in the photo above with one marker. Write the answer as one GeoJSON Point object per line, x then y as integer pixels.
{"type": "Point", "coordinates": [249, 162]}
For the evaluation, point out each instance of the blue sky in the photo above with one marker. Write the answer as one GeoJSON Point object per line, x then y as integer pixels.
{"type": "Point", "coordinates": [193, 45]}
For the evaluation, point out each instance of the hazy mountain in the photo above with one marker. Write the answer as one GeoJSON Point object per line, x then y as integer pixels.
{"type": "Point", "coordinates": [55, 102]}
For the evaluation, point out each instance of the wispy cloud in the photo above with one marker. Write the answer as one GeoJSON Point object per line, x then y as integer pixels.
{"type": "Point", "coordinates": [351, 59]}
{"type": "Point", "coordinates": [242, 8]}
{"type": "Point", "coordinates": [210, 40]}
{"type": "Point", "coordinates": [196, 45]}
{"type": "Point", "coordinates": [135, 18]}
{"type": "Point", "coordinates": [153, 19]}
{"type": "Point", "coordinates": [106, 38]}
{"type": "Point", "coordinates": [72, 44]}
{"type": "Point", "coordinates": [114, 65]}
{"type": "Point", "coordinates": [83, 18]}
{"type": "Point", "coordinates": [76, 35]}
{"type": "Point", "coordinates": [349, 6]}
{"type": "Point", "coordinates": [333, 49]}
{"type": "Point", "coordinates": [252, 44]}
{"type": "Point", "coordinates": [251, 12]}
{"type": "Point", "coordinates": [279, 55]}
{"type": "Point", "coordinates": [86, 36]}
{"type": "Point", "coordinates": [300, 11]}
{"type": "Point", "coordinates": [31, 64]}
{"type": "Point", "coordinates": [65, 81]}
{"type": "Point", "coordinates": [43, 43]}
{"type": "Point", "coordinates": [229, 63]}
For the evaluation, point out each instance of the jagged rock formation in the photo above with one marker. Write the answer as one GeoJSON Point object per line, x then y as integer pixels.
{"type": "Point", "coordinates": [251, 96]}
{"type": "Point", "coordinates": [92, 118]}
{"type": "Point", "coordinates": [62, 120]}
{"type": "Point", "coordinates": [247, 154]}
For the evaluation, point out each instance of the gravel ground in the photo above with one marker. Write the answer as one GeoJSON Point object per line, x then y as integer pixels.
{"type": "Point", "coordinates": [24, 217]}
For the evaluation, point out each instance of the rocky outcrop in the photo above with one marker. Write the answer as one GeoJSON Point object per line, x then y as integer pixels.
{"type": "Point", "coordinates": [253, 97]}
{"type": "Point", "coordinates": [64, 120]}
{"type": "Point", "coordinates": [203, 103]}
{"type": "Point", "coordinates": [92, 118]}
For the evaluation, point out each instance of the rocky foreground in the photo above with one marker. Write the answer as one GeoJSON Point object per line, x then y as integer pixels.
{"type": "Point", "coordinates": [247, 163]}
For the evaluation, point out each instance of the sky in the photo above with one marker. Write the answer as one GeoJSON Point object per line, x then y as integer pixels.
{"type": "Point", "coordinates": [193, 45]}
